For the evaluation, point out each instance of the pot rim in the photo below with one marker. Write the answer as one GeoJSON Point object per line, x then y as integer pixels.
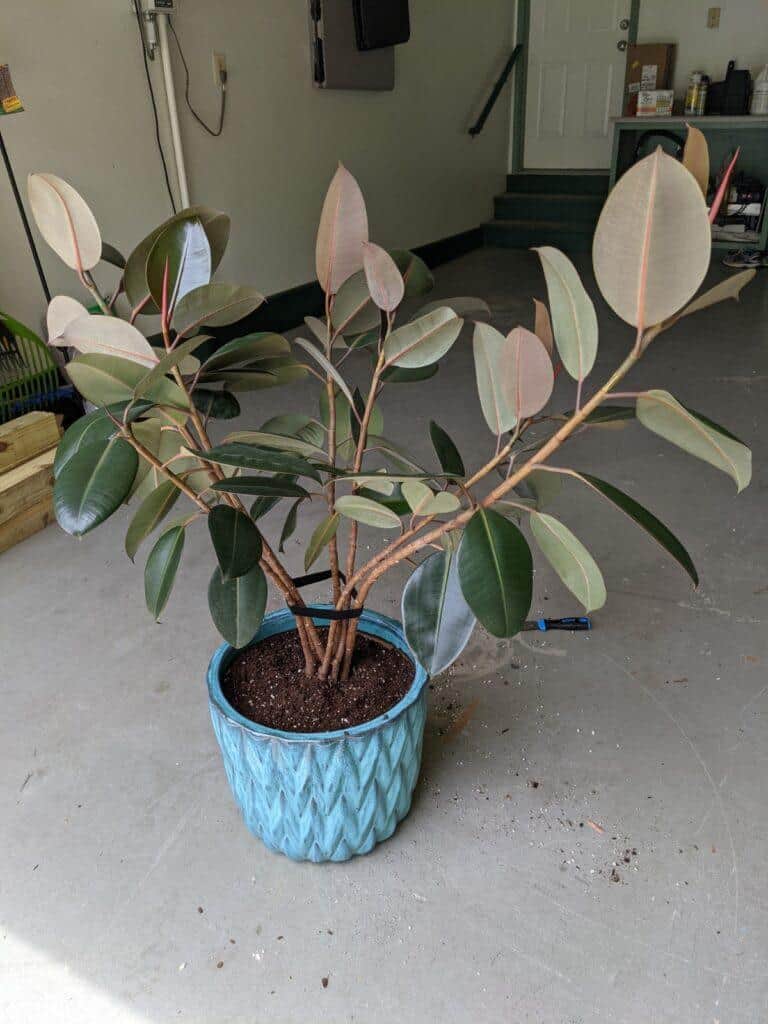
{"type": "Point", "coordinates": [389, 629]}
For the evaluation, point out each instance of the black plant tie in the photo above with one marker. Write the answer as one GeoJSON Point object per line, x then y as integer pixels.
{"type": "Point", "coordinates": [311, 612]}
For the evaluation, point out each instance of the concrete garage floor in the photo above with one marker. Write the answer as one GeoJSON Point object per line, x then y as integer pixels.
{"type": "Point", "coordinates": [130, 891]}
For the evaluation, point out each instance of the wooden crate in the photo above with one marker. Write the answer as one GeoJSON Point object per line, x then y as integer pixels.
{"type": "Point", "coordinates": [27, 450]}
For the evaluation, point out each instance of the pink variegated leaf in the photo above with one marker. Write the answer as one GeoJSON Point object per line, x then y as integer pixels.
{"type": "Point", "coordinates": [542, 327]}
{"type": "Point", "coordinates": [532, 376]}
{"type": "Point", "coordinates": [342, 231]}
{"type": "Point", "coordinates": [722, 190]}
{"type": "Point", "coordinates": [385, 282]}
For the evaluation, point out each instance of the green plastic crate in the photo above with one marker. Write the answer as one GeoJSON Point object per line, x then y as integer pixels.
{"type": "Point", "coordinates": [28, 375]}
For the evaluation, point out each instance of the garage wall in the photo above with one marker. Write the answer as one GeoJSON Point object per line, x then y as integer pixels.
{"type": "Point", "coordinates": [743, 35]}
{"type": "Point", "coordinates": [88, 119]}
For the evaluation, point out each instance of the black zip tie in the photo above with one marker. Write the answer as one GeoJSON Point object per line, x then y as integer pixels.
{"type": "Point", "coordinates": [331, 614]}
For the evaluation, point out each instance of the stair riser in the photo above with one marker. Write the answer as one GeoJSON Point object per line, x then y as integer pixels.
{"type": "Point", "coordinates": [520, 206]}
{"type": "Point", "coordinates": [518, 238]}
{"type": "Point", "coordinates": [573, 184]}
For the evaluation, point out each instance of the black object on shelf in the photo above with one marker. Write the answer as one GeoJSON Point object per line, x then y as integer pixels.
{"type": "Point", "coordinates": [731, 97]}
{"type": "Point", "coordinates": [380, 24]}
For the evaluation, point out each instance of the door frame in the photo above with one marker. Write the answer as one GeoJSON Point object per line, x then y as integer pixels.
{"type": "Point", "coordinates": [522, 35]}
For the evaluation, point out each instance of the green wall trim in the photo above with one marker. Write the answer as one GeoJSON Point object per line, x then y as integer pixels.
{"type": "Point", "coordinates": [634, 21]}
{"type": "Point", "coordinates": [287, 309]}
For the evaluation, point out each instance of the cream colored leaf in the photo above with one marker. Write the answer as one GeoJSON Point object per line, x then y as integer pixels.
{"type": "Point", "coordinates": [62, 310]}
{"type": "Point", "coordinates": [65, 221]}
{"type": "Point", "coordinates": [110, 336]}
{"type": "Point", "coordinates": [542, 327]}
{"type": "Point", "coordinates": [385, 282]}
{"type": "Point", "coordinates": [696, 157]}
{"type": "Point", "coordinates": [574, 321]}
{"type": "Point", "coordinates": [527, 372]}
{"type": "Point", "coordinates": [489, 346]}
{"type": "Point", "coordinates": [342, 231]}
{"type": "Point", "coordinates": [653, 241]}
{"type": "Point", "coordinates": [728, 289]}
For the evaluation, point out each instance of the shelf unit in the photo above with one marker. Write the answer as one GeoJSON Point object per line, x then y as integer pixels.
{"type": "Point", "coordinates": [723, 134]}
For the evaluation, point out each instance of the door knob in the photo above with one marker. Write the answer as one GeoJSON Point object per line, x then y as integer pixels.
{"type": "Point", "coordinates": [624, 24]}
{"type": "Point", "coordinates": [621, 45]}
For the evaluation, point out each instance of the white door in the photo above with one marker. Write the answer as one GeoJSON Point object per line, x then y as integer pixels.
{"type": "Point", "coordinates": [575, 81]}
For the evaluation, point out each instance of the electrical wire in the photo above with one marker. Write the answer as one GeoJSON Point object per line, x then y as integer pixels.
{"type": "Point", "coordinates": [154, 105]}
{"type": "Point", "coordinates": [215, 132]}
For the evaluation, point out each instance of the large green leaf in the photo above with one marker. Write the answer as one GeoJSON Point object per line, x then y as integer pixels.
{"type": "Point", "coordinates": [400, 375]}
{"type": "Point", "coordinates": [95, 428]}
{"type": "Point", "coordinates": [574, 321]}
{"type": "Point", "coordinates": [570, 560]}
{"type": "Point", "coordinates": [236, 540]}
{"type": "Point", "coordinates": [262, 506]}
{"type": "Point", "coordinates": [248, 349]}
{"type": "Point", "coordinates": [437, 620]}
{"type": "Point", "coordinates": [183, 249]}
{"type": "Point", "coordinates": [364, 510]}
{"type": "Point", "coordinates": [216, 305]}
{"type": "Point", "coordinates": [541, 486]}
{"type": "Point", "coordinates": [394, 501]}
{"type": "Point", "coordinates": [462, 305]}
{"type": "Point", "coordinates": [282, 442]}
{"type": "Point", "coordinates": [161, 568]}
{"type": "Point", "coordinates": [269, 487]}
{"type": "Point", "coordinates": [353, 311]}
{"type": "Point", "coordinates": [416, 274]}
{"type": "Point", "coordinates": [660, 533]}
{"type": "Point", "coordinates": [289, 526]}
{"type": "Point", "coordinates": [247, 456]}
{"type": "Point", "coordinates": [104, 380]}
{"type": "Point", "coordinates": [150, 513]}
{"type": "Point", "coordinates": [663, 414]}
{"type": "Point", "coordinates": [294, 424]}
{"type": "Point", "coordinates": [219, 405]}
{"type": "Point", "coordinates": [322, 535]}
{"type": "Point", "coordinates": [93, 483]}
{"type": "Point", "coordinates": [496, 572]}
{"type": "Point", "coordinates": [423, 341]}
{"type": "Point", "coordinates": [216, 227]}
{"type": "Point", "coordinates": [168, 362]}
{"type": "Point", "coordinates": [237, 606]}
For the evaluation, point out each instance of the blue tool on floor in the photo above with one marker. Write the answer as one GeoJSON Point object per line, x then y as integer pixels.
{"type": "Point", "coordinates": [572, 624]}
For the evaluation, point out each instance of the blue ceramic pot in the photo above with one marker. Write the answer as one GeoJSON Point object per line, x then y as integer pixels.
{"type": "Point", "coordinates": [326, 795]}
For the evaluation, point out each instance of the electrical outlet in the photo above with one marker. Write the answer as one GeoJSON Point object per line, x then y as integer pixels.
{"type": "Point", "coordinates": [713, 17]}
{"type": "Point", "coordinates": [219, 69]}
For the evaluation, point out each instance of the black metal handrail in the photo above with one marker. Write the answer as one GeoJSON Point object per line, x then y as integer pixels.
{"type": "Point", "coordinates": [501, 81]}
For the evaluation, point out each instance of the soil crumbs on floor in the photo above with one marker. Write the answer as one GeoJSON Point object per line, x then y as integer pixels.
{"type": "Point", "coordinates": [266, 683]}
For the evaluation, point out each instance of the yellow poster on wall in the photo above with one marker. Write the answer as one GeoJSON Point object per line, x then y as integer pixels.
{"type": "Point", "coordinates": [9, 101]}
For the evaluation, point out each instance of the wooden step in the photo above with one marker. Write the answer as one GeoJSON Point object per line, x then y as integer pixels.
{"type": "Point", "coordinates": [25, 524]}
{"type": "Point", "coordinates": [25, 437]}
{"type": "Point", "coordinates": [26, 486]}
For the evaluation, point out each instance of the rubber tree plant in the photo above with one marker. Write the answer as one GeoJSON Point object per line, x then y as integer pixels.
{"type": "Point", "coordinates": [147, 441]}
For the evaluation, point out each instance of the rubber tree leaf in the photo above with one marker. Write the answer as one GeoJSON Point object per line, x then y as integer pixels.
{"type": "Point", "coordinates": [574, 321]}
{"type": "Point", "coordinates": [279, 441]}
{"type": "Point", "coordinates": [423, 341]}
{"type": "Point", "coordinates": [236, 540]}
{"type": "Point", "coordinates": [343, 229]}
{"type": "Point", "coordinates": [109, 254]}
{"type": "Point", "coordinates": [289, 526]}
{"type": "Point", "coordinates": [108, 335]}
{"type": "Point", "coordinates": [663, 414]}
{"type": "Point", "coordinates": [296, 425]}
{"type": "Point", "coordinates": [216, 226]}
{"type": "Point", "coordinates": [367, 511]}
{"type": "Point", "coordinates": [106, 380]}
{"type": "Point", "coordinates": [437, 620]}
{"type": "Point", "coordinates": [542, 327]}
{"type": "Point", "coordinates": [462, 305]}
{"type": "Point", "coordinates": [251, 348]}
{"type": "Point", "coordinates": [416, 274]}
{"type": "Point", "coordinates": [385, 282]}
{"type": "Point", "coordinates": [640, 515]}
{"type": "Point", "coordinates": [237, 606]}
{"type": "Point", "coordinates": [218, 405]}
{"type": "Point", "coordinates": [541, 486]}
{"type": "Point", "coordinates": [65, 221]}
{"type": "Point", "coordinates": [344, 417]}
{"type": "Point", "coordinates": [161, 568]}
{"type": "Point", "coordinates": [248, 456]}
{"type": "Point", "coordinates": [169, 361]}
{"type": "Point", "coordinates": [183, 248]}
{"type": "Point", "coordinates": [94, 428]}
{"type": "Point", "coordinates": [399, 375]}
{"type": "Point", "coordinates": [496, 572]}
{"type": "Point", "coordinates": [268, 487]}
{"type": "Point", "coordinates": [327, 366]}
{"type": "Point", "coordinates": [62, 310]}
{"type": "Point", "coordinates": [447, 452]}
{"type": "Point", "coordinates": [215, 305]}
{"type": "Point", "coordinates": [653, 241]}
{"type": "Point", "coordinates": [353, 311]}
{"type": "Point", "coordinates": [93, 484]}
{"type": "Point", "coordinates": [263, 505]}
{"type": "Point", "coordinates": [423, 502]}
{"type": "Point", "coordinates": [321, 537]}
{"type": "Point", "coordinates": [730, 288]}
{"type": "Point", "coordinates": [529, 372]}
{"type": "Point", "coordinates": [696, 157]}
{"type": "Point", "coordinates": [490, 350]}
{"type": "Point", "coordinates": [150, 513]}
{"type": "Point", "coordinates": [570, 560]}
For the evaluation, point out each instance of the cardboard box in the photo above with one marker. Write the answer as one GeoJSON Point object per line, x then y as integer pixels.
{"type": "Point", "coordinates": [649, 68]}
{"type": "Point", "coordinates": [655, 103]}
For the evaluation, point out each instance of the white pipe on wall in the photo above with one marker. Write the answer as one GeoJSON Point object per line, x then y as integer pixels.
{"type": "Point", "coordinates": [173, 114]}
